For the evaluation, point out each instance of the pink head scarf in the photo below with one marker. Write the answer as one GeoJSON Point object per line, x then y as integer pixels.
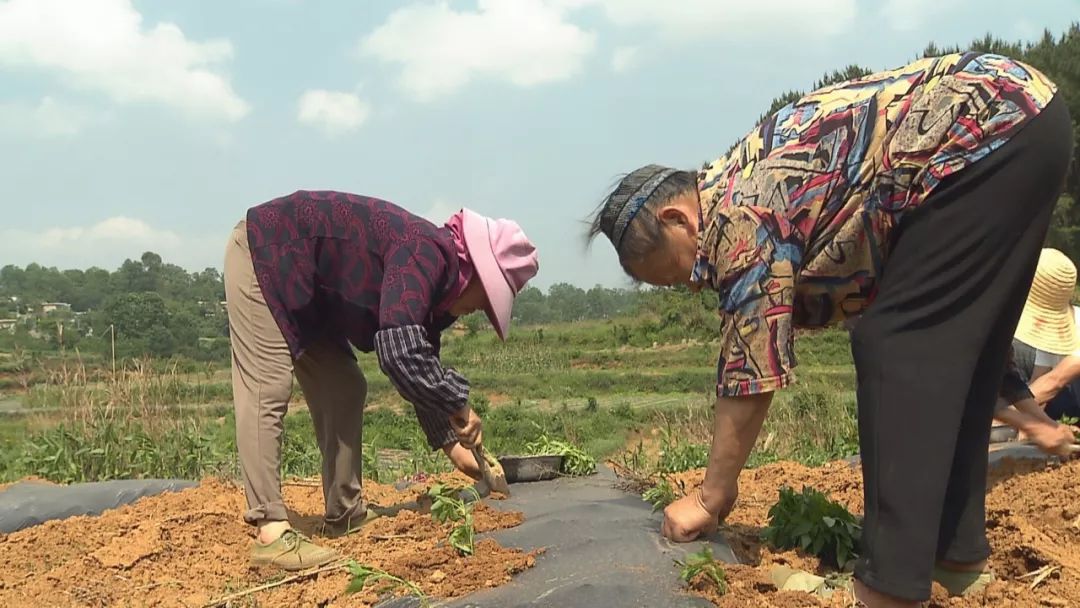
{"type": "Point", "coordinates": [456, 224]}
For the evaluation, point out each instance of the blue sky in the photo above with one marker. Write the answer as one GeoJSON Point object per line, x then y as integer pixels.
{"type": "Point", "coordinates": [136, 125]}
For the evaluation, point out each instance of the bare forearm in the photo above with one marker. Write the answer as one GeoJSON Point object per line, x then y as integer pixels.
{"type": "Point", "coordinates": [736, 425]}
{"type": "Point", "coordinates": [1014, 418]}
{"type": "Point", "coordinates": [1046, 386]}
{"type": "Point", "coordinates": [1032, 408]}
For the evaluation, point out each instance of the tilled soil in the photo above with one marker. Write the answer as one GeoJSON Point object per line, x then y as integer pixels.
{"type": "Point", "coordinates": [1033, 520]}
{"type": "Point", "coordinates": [190, 547]}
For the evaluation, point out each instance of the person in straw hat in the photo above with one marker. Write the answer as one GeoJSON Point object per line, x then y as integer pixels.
{"type": "Point", "coordinates": [312, 275]}
{"type": "Point", "coordinates": [1018, 408]}
{"type": "Point", "coordinates": [1047, 341]}
{"type": "Point", "coordinates": [919, 197]}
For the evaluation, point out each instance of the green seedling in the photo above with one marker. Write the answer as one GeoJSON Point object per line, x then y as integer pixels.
{"type": "Point", "coordinates": [576, 461]}
{"type": "Point", "coordinates": [362, 576]}
{"type": "Point", "coordinates": [809, 521]}
{"type": "Point", "coordinates": [448, 507]}
{"type": "Point", "coordinates": [703, 564]}
{"type": "Point", "coordinates": [663, 494]}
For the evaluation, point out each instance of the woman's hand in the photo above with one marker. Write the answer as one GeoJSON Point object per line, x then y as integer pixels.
{"type": "Point", "coordinates": [692, 516]}
{"type": "Point", "coordinates": [468, 427]}
{"type": "Point", "coordinates": [1057, 440]}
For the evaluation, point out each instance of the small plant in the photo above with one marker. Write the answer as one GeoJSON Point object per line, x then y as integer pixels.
{"type": "Point", "coordinates": [576, 461]}
{"type": "Point", "coordinates": [661, 495]}
{"type": "Point", "coordinates": [592, 405]}
{"type": "Point", "coordinates": [678, 455]}
{"type": "Point", "coordinates": [448, 507]}
{"type": "Point", "coordinates": [705, 565]}
{"type": "Point", "coordinates": [362, 576]}
{"type": "Point", "coordinates": [811, 522]}
{"type": "Point", "coordinates": [636, 459]}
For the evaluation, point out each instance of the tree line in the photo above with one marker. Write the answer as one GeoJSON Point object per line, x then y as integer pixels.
{"type": "Point", "coordinates": [160, 309]}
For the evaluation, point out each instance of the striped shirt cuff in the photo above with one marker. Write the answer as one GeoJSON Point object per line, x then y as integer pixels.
{"type": "Point", "coordinates": [409, 359]}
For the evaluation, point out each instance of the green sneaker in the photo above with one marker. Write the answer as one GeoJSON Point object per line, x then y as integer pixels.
{"type": "Point", "coordinates": [292, 551]}
{"type": "Point", "coordinates": [962, 583]}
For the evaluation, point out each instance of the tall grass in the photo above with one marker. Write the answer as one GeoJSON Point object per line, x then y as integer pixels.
{"type": "Point", "coordinates": [580, 382]}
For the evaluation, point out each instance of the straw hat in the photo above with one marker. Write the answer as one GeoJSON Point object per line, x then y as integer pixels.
{"type": "Point", "coordinates": [1047, 322]}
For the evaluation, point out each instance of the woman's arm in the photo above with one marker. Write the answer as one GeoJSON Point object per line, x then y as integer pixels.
{"type": "Point", "coordinates": [1029, 418]}
{"type": "Point", "coordinates": [1046, 384]}
{"type": "Point", "coordinates": [737, 423]}
{"type": "Point", "coordinates": [408, 349]}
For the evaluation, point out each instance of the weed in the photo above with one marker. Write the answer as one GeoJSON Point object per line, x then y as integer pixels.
{"type": "Point", "coordinates": [362, 576]}
{"type": "Point", "coordinates": [678, 455]}
{"type": "Point", "coordinates": [592, 405]}
{"type": "Point", "coordinates": [575, 460]}
{"type": "Point", "coordinates": [811, 522]}
{"type": "Point", "coordinates": [703, 564]}
{"type": "Point", "coordinates": [662, 494]}
{"type": "Point", "coordinates": [636, 459]}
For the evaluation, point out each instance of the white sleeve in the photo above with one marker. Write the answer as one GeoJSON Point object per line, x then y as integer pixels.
{"type": "Point", "coordinates": [1045, 359]}
{"type": "Point", "coordinates": [1076, 316]}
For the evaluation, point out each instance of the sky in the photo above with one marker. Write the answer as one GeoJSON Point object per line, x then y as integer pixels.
{"type": "Point", "coordinates": [135, 125]}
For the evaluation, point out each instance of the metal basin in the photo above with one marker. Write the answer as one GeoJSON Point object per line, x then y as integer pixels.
{"type": "Point", "coordinates": [531, 468]}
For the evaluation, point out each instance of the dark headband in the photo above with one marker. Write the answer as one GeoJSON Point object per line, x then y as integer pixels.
{"type": "Point", "coordinates": [620, 217]}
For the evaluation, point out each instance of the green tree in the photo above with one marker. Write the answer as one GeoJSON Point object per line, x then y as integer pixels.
{"type": "Point", "coordinates": [134, 315]}
{"type": "Point", "coordinates": [531, 306]}
{"type": "Point", "coordinates": [567, 302]}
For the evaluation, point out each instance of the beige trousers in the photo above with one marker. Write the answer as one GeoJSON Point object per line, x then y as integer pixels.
{"type": "Point", "coordinates": [262, 373]}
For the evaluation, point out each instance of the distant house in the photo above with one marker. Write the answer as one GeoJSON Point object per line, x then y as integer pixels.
{"type": "Point", "coordinates": [47, 307]}
{"type": "Point", "coordinates": [8, 324]}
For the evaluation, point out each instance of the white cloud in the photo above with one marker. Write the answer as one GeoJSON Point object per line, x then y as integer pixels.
{"type": "Point", "coordinates": [440, 49]}
{"type": "Point", "coordinates": [49, 118]}
{"type": "Point", "coordinates": [117, 229]}
{"type": "Point", "coordinates": [103, 46]}
{"type": "Point", "coordinates": [332, 112]}
{"type": "Point", "coordinates": [703, 18]}
{"type": "Point", "coordinates": [108, 243]}
{"type": "Point", "coordinates": [624, 58]}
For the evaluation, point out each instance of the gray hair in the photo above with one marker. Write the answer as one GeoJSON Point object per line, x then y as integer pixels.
{"type": "Point", "coordinates": [634, 234]}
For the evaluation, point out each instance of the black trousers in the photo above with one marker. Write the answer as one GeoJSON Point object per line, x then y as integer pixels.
{"type": "Point", "coordinates": [931, 350]}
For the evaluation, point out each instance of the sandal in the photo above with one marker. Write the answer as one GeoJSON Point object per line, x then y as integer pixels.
{"type": "Point", "coordinates": [959, 583]}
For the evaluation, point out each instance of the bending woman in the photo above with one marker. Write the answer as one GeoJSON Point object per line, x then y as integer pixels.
{"type": "Point", "coordinates": [918, 196]}
{"type": "Point", "coordinates": [311, 275]}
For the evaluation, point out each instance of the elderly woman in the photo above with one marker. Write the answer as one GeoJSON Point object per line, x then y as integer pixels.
{"type": "Point", "coordinates": [1047, 362]}
{"type": "Point", "coordinates": [919, 197]}
{"type": "Point", "coordinates": [312, 275]}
